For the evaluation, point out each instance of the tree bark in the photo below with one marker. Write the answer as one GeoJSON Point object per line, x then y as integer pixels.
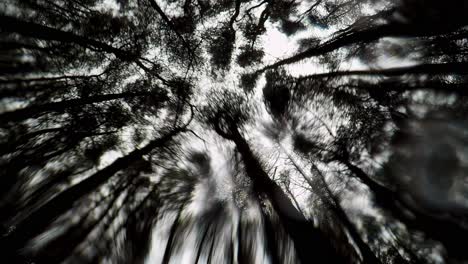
{"type": "Point", "coordinates": [445, 231]}
{"type": "Point", "coordinates": [43, 216]}
{"type": "Point", "coordinates": [354, 34]}
{"type": "Point", "coordinates": [30, 29]}
{"type": "Point", "coordinates": [329, 199]}
{"type": "Point", "coordinates": [309, 242]}
{"type": "Point", "coordinates": [35, 110]}
{"type": "Point", "coordinates": [78, 233]}
{"type": "Point", "coordinates": [432, 69]}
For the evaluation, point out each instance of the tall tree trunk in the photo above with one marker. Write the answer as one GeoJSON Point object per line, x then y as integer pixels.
{"type": "Point", "coordinates": [172, 239]}
{"type": "Point", "coordinates": [363, 31]}
{"type": "Point", "coordinates": [30, 29]}
{"type": "Point", "coordinates": [367, 253]}
{"type": "Point", "coordinates": [430, 69]}
{"type": "Point", "coordinates": [445, 231]}
{"type": "Point", "coordinates": [329, 199]}
{"type": "Point", "coordinates": [54, 252]}
{"type": "Point", "coordinates": [31, 111]}
{"type": "Point", "coordinates": [309, 242]}
{"type": "Point", "coordinates": [43, 216]}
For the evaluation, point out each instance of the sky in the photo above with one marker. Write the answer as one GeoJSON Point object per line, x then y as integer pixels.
{"type": "Point", "coordinates": [276, 46]}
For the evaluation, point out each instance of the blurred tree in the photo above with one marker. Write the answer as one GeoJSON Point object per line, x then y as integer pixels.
{"type": "Point", "coordinates": [127, 126]}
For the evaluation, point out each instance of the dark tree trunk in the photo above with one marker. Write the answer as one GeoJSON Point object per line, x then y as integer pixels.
{"type": "Point", "coordinates": [172, 239]}
{"type": "Point", "coordinates": [430, 69]}
{"type": "Point", "coordinates": [55, 252]}
{"type": "Point", "coordinates": [355, 35]}
{"type": "Point", "coordinates": [271, 237]}
{"type": "Point", "coordinates": [35, 110]}
{"type": "Point", "coordinates": [310, 243]}
{"type": "Point", "coordinates": [332, 202]}
{"type": "Point", "coordinates": [43, 216]}
{"type": "Point", "coordinates": [447, 232]}
{"type": "Point", "coordinates": [30, 29]}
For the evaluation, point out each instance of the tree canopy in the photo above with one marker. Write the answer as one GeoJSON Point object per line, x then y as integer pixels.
{"type": "Point", "coordinates": [233, 131]}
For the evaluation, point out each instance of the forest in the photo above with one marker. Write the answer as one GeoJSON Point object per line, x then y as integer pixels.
{"type": "Point", "coordinates": [233, 131]}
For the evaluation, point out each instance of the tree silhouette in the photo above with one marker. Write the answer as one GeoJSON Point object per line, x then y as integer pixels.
{"type": "Point", "coordinates": [170, 131]}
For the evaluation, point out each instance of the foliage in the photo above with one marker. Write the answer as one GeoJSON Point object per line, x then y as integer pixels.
{"type": "Point", "coordinates": [130, 126]}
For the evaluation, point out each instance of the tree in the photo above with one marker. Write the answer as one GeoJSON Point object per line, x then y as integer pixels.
{"type": "Point", "coordinates": [129, 127]}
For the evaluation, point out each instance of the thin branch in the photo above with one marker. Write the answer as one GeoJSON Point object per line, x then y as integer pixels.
{"type": "Point", "coordinates": [170, 24]}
